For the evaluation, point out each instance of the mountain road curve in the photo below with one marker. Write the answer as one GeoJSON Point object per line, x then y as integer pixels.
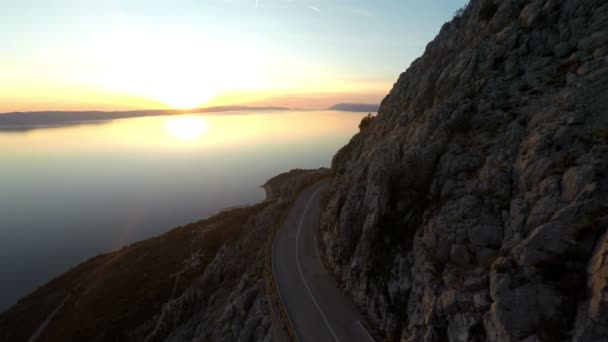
{"type": "Point", "coordinates": [315, 306]}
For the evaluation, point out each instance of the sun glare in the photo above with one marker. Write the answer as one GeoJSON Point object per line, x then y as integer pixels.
{"type": "Point", "coordinates": [179, 75]}
{"type": "Point", "coordinates": [186, 96]}
{"type": "Point", "coordinates": [187, 127]}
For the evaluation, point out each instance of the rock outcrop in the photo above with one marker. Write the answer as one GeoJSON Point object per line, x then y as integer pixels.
{"type": "Point", "coordinates": [474, 206]}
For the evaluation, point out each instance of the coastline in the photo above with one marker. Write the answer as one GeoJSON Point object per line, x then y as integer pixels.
{"type": "Point", "coordinates": [147, 279]}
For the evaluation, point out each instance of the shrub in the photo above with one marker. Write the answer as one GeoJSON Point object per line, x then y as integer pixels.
{"type": "Point", "coordinates": [459, 13]}
{"type": "Point", "coordinates": [366, 121]}
{"type": "Point", "coordinates": [601, 134]}
{"type": "Point", "coordinates": [487, 10]}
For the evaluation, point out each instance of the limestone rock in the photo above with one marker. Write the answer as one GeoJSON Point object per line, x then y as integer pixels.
{"type": "Point", "coordinates": [486, 170]}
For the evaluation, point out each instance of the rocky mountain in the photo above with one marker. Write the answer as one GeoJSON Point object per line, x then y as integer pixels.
{"type": "Point", "coordinates": [474, 206]}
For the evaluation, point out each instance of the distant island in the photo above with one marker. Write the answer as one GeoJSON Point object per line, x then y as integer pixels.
{"type": "Point", "coordinates": [355, 107]}
{"type": "Point", "coordinates": [25, 120]}
{"type": "Point", "coordinates": [49, 118]}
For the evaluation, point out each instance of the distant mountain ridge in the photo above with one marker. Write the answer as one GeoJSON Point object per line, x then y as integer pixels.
{"type": "Point", "coordinates": [355, 107]}
{"type": "Point", "coordinates": [41, 118]}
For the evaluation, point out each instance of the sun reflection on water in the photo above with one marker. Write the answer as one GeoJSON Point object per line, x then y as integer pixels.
{"type": "Point", "coordinates": [187, 127]}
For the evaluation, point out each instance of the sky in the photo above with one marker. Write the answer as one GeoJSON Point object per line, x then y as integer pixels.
{"type": "Point", "coordinates": [154, 54]}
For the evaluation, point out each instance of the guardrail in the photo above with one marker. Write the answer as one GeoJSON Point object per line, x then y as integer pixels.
{"type": "Point", "coordinates": [272, 290]}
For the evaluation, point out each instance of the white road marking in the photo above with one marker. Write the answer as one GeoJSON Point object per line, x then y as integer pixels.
{"type": "Point", "coordinates": [365, 331]}
{"type": "Point", "coordinates": [48, 320]}
{"type": "Point", "coordinates": [300, 268]}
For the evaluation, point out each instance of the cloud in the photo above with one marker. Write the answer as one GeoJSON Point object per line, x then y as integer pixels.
{"type": "Point", "coordinates": [316, 9]}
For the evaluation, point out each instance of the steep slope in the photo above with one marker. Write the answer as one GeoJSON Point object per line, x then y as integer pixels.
{"type": "Point", "coordinates": [474, 206]}
{"type": "Point", "coordinates": [204, 281]}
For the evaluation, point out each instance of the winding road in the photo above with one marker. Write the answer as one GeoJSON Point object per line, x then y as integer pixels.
{"type": "Point", "coordinates": [316, 308]}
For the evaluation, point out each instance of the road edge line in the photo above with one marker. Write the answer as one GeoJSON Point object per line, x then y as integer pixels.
{"type": "Point", "coordinates": [369, 336]}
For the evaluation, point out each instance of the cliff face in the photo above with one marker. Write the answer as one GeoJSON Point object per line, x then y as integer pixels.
{"type": "Point", "coordinates": [474, 206]}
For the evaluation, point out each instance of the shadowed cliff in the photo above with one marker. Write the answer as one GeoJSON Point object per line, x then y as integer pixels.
{"type": "Point", "coordinates": [474, 206]}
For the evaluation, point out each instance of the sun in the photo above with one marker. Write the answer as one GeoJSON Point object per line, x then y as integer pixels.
{"type": "Point", "coordinates": [179, 88]}
{"type": "Point", "coordinates": [184, 96]}
{"type": "Point", "coordinates": [175, 89]}
{"type": "Point", "coordinates": [178, 72]}
{"type": "Point", "coordinates": [182, 80]}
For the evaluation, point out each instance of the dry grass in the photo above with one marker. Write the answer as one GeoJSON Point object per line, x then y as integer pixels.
{"type": "Point", "coordinates": [115, 292]}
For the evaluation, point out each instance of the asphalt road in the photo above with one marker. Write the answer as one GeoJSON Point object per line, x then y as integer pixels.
{"type": "Point", "coordinates": [315, 306]}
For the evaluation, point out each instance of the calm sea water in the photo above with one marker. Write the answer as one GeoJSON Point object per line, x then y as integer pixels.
{"type": "Point", "coordinates": [68, 193]}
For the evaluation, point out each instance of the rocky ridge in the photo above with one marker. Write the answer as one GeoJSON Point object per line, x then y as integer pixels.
{"type": "Point", "coordinates": [474, 206]}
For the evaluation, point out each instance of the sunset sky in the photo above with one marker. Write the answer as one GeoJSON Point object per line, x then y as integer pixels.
{"type": "Point", "coordinates": [117, 55]}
